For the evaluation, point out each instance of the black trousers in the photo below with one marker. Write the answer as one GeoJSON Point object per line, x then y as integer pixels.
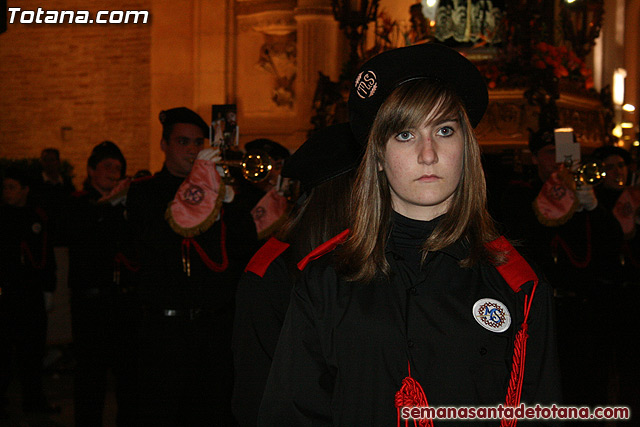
{"type": "Point", "coordinates": [186, 370]}
{"type": "Point", "coordinates": [105, 330]}
{"type": "Point", "coordinates": [23, 333]}
{"type": "Point", "coordinates": [585, 348]}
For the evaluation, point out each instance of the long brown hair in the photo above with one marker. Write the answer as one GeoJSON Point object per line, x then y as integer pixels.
{"type": "Point", "coordinates": [408, 106]}
{"type": "Point", "coordinates": [322, 215]}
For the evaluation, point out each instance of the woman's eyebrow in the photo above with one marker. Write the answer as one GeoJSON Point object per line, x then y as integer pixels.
{"type": "Point", "coordinates": [438, 122]}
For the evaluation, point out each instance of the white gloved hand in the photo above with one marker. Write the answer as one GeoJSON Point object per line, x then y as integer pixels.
{"type": "Point", "coordinates": [587, 197]}
{"type": "Point", "coordinates": [229, 194]}
{"type": "Point", "coordinates": [211, 154]}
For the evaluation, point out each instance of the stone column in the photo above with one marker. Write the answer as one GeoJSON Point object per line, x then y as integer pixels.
{"type": "Point", "coordinates": [321, 48]}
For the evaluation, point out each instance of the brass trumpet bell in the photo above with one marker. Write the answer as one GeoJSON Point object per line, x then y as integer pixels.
{"type": "Point", "coordinates": [589, 173]}
{"type": "Point", "coordinates": [255, 167]}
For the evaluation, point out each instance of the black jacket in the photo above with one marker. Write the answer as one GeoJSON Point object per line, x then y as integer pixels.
{"type": "Point", "coordinates": [262, 300]}
{"type": "Point", "coordinates": [27, 263]}
{"type": "Point", "coordinates": [164, 282]}
{"type": "Point", "coordinates": [100, 243]}
{"type": "Point", "coordinates": [346, 347]}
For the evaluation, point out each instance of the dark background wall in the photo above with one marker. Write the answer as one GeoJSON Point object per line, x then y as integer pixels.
{"type": "Point", "coordinates": [71, 86]}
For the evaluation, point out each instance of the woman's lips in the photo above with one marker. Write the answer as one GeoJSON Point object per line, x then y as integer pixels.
{"type": "Point", "coordinates": [428, 178]}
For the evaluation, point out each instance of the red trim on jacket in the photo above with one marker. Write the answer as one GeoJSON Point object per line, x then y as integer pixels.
{"type": "Point", "coordinates": [324, 248]}
{"type": "Point", "coordinates": [262, 259]}
{"type": "Point", "coordinates": [516, 271]}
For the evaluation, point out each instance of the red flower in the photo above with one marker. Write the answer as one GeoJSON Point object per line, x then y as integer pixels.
{"type": "Point", "coordinates": [560, 71]}
{"type": "Point", "coordinates": [588, 84]}
{"type": "Point", "coordinates": [542, 47]}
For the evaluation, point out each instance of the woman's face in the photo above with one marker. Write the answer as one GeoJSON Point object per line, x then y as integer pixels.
{"type": "Point", "coordinates": [423, 167]}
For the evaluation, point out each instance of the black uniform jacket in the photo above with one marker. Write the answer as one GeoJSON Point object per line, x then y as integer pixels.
{"type": "Point", "coordinates": [27, 264]}
{"type": "Point", "coordinates": [164, 282]}
{"type": "Point", "coordinates": [262, 300]}
{"type": "Point", "coordinates": [97, 235]}
{"type": "Point", "coordinates": [345, 347]}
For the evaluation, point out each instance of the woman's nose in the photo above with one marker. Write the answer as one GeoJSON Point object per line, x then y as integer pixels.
{"type": "Point", "coordinates": [427, 154]}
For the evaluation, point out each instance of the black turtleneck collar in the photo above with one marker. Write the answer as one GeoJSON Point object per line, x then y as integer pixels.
{"type": "Point", "coordinates": [408, 235]}
{"type": "Point", "coordinates": [411, 233]}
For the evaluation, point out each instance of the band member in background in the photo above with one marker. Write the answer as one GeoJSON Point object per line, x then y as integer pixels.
{"type": "Point", "coordinates": [28, 273]}
{"type": "Point", "coordinates": [576, 254]}
{"type": "Point", "coordinates": [105, 312]}
{"type": "Point", "coordinates": [621, 199]}
{"type": "Point", "coordinates": [264, 199]}
{"type": "Point", "coordinates": [187, 284]}
{"type": "Point", "coordinates": [51, 190]}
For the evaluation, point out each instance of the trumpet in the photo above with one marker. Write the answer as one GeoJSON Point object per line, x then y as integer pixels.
{"type": "Point", "coordinates": [589, 173]}
{"type": "Point", "coordinates": [255, 166]}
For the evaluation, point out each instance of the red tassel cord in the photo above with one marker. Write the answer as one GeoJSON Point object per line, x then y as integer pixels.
{"type": "Point", "coordinates": [25, 253]}
{"type": "Point", "coordinates": [559, 241]}
{"type": "Point", "coordinates": [188, 242]}
{"type": "Point", "coordinates": [514, 392]}
{"type": "Point", "coordinates": [119, 260]}
{"type": "Point", "coordinates": [411, 394]}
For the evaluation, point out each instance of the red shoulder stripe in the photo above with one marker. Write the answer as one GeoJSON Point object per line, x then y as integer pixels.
{"type": "Point", "coordinates": [143, 178]}
{"type": "Point", "coordinates": [262, 259]}
{"type": "Point", "coordinates": [516, 271]}
{"type": "Point", "coordinates": [324, 248]}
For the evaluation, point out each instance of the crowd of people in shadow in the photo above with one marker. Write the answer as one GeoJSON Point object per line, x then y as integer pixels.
{"type": "Point", "coordinates": [378, 267]}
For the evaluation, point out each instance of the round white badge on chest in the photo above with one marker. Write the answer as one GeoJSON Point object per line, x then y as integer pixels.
{"type": "Point", "coordinates": [492, 315]}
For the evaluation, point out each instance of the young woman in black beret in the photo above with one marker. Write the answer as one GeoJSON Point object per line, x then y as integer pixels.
{"type": "Point", "coordinates": [423, 304]}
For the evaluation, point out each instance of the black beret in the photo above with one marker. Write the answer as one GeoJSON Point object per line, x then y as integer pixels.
{"type": "Point", "coordinates": [540, 139]}
{"type": "Point", "coordinates": [328, 153]}
{"type": "Point", "coordinates": [183, 115]}
{"type": "Point", "coordinates": [383, 73]}
{"type": "Point", "coordinates": [272, 148]}
{"type": "Point", "coordinates": [106, 150]}
{"type": "Point", "coordinates": [603, 152]}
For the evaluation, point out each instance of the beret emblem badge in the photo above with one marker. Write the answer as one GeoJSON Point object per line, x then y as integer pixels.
{"type": "Point", "coordinates": [366, 84]}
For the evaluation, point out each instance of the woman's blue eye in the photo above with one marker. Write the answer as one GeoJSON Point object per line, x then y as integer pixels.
{"type": "Point", "coordinates": [404, 136]}
{"type": "Point", "coordinates": [445, 131]}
